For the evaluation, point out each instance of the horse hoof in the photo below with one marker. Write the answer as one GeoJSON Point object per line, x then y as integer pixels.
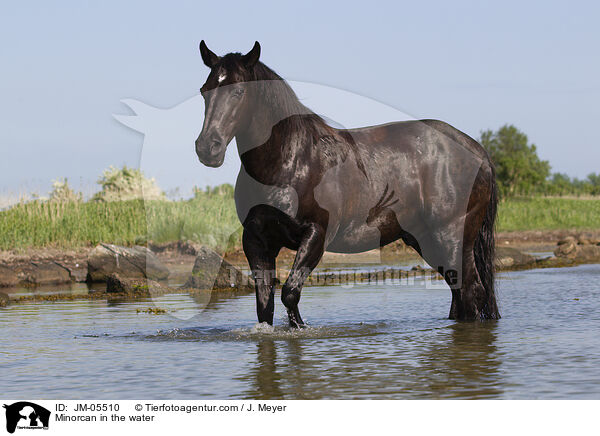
{"type": "Point", "coordinates": [296, 322]}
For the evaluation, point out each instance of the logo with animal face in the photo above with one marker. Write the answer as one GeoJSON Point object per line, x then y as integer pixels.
{"type": "Point", "coordinates": [26, 415]}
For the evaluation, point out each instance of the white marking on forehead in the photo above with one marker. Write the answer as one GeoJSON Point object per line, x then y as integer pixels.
{"type": "Point", "coordinates": [222, 77]}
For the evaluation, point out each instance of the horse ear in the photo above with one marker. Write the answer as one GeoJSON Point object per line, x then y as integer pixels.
{"type": "Point", "coordinates": [252, 56]}
{"type": "Point", "coordinates": [210, 59]}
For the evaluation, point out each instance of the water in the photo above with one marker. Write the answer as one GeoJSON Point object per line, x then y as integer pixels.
{"type": "Point", "coordinates": [371, 341]}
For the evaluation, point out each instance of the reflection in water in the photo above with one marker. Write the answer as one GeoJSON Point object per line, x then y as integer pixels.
{"type": "Point", "coordinates": [463, 363]}
{"type": "Point", "coordinates": [458, 361]}
{"type": "Point", "coordinates": [264, 378]}
{"type": "Point", "coordinates": [195, 302]}
{"type": "Point", "coordinates": [282, 378]}
{"type": "Point", "coordinates": [214, 299]}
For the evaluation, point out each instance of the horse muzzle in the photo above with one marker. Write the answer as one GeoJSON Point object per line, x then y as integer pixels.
{"type": "Point", "coordinates": [211, 151]}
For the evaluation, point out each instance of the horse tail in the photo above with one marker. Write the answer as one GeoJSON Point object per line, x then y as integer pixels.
{"type": "Point", "coordinates": [484, 250]}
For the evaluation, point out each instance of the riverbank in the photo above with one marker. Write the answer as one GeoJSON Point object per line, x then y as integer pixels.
{"type": "Point", "coordinates": [532, 241]}
{"type": "Point", "coordinates": [45, 271]}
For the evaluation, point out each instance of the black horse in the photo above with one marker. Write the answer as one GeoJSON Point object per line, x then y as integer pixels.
{"type": "Point", "coordinates": [310, 187]}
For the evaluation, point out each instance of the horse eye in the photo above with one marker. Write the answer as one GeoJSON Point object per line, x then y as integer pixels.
{"type": "Point", "coordinates": [238, 92]}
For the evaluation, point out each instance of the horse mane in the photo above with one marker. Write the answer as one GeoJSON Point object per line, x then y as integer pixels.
{"type": "Point", "coordinates": [295, 117]}
{"type": "Point", "coordinates": [277, 94]}
{"type": "Point", "coordinates": [280, 96]}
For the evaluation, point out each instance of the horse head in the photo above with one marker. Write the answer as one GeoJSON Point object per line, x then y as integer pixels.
{"type": "Point", "coordinates": [226, 101]}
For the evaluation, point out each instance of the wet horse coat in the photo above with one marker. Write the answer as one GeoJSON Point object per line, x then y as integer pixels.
{"type": "Point", "coordinates": [310, 187]}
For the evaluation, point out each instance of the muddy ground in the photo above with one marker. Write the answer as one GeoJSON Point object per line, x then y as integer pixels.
{"type": "Point", "coordinates": [179, 256]}
{"type": "Point", "coordinates": [537, 241]}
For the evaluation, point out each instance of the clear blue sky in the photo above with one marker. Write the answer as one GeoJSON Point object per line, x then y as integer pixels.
{"type": "Point", "coordinates": [477, 65]}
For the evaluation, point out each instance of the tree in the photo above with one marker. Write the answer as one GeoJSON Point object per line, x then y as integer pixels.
{"type": "Point", "coordinates": [561, 184]}
{"type": "Point", "coordinates": [519, 170]}
{"type": "Point", "coordinates": [594, 180]}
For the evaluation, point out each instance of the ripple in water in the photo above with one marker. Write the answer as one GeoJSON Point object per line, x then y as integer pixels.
{"type": "Point", "coordinates": [265, 331]}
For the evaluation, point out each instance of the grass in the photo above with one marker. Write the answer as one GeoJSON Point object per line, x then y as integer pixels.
{"type": "Point", "coordinates": [211, 219]}
{"type": "Point", "coordinates": [549, 213]}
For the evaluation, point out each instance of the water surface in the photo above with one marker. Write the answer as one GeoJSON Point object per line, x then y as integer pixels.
{"type": "Point", "coordinates": [376, 341]}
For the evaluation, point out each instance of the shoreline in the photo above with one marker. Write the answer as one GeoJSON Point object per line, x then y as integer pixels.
{"type": "Point", "coordinates": [330, 278]}
{"type": "Point", "coordinates": [396, 260]}
{"type": "Point", "coordinates": [534, 241]}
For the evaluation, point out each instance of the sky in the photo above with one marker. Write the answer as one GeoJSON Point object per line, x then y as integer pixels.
{"type": "Point", "coordinates": [66, 67]}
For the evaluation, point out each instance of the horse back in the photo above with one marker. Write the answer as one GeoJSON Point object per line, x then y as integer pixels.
{"type": "Point", "coordinates": [408, 135]}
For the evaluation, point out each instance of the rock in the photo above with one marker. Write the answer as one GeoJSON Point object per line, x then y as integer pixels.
{"type": "Point", "coordinates": [134, 262]}
{"type": "Point", "coordinates": [137, 287]}
{"type": "Point", "coordinates": [180, 247]}
{"type": "Point", "coordinates": [4, 300]}
{"type": "Point", "coordinates": [584, 239]}
{"type": "Point", "coordinates": [34, 273]}
{"type": "Point", "coordinates": [555, 262]}
{"type": "Point", "coordinates": [77, 270]}
{"type": "Point", "coordinates": [588, 253]}
{"type": "Point", "coordinates": [8, 277]}
{"type": "Point", "coordinates": [211, 271]}
{"type": "Point", "coordinates": [566, 249]}
{"type": "Point", "coordinates": [567, 240]}
{"type": "Point", "coordinates": [578, 252]}
{"type": "Point", "coordinates": [507, 257]}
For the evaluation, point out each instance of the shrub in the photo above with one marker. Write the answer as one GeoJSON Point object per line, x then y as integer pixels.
{"type": "Point", "coordinates": [127, 184]}
{"type": "Point", "coordinates": [62, 192]}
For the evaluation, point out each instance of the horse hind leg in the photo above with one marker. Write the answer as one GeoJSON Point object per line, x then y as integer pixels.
{"type": "Point", "coordinates": [468, 300]}
{"type": "Point", "coordinates": [445, 252]}
{"type": "Point", "coordinates": [472, 300]}
{"type": "Point", "coordinates": [477, 299]}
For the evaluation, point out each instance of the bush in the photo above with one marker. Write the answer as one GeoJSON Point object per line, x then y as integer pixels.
{"type": "Point", "coordinates": [62, 192]}
{"type": "Point", "coordinates": [225, 190]}
{"type": "Point", "coordinates": [127, 184]}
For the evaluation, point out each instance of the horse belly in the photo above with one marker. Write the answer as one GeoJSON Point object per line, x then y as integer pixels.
{"type": "Point", "coordinates": [355, 238]}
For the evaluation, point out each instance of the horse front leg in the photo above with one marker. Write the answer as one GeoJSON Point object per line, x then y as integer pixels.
{"type": "Point", "coordinates": [262, 263]}
{"type": "Point", "coordinates": [308, 256]}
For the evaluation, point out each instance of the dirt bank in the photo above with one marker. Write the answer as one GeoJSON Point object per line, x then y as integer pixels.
{"type": "Point", "coordinates": [36, 267]}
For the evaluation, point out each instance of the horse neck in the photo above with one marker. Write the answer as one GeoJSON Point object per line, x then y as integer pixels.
{"type": "Point", "coordinates": [258, 139]}
{"type": "Point", "coordinates": [256, 130]}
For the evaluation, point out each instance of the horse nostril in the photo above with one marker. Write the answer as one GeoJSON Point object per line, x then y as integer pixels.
{"type": "Point", "coordinates": [209, 148]}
